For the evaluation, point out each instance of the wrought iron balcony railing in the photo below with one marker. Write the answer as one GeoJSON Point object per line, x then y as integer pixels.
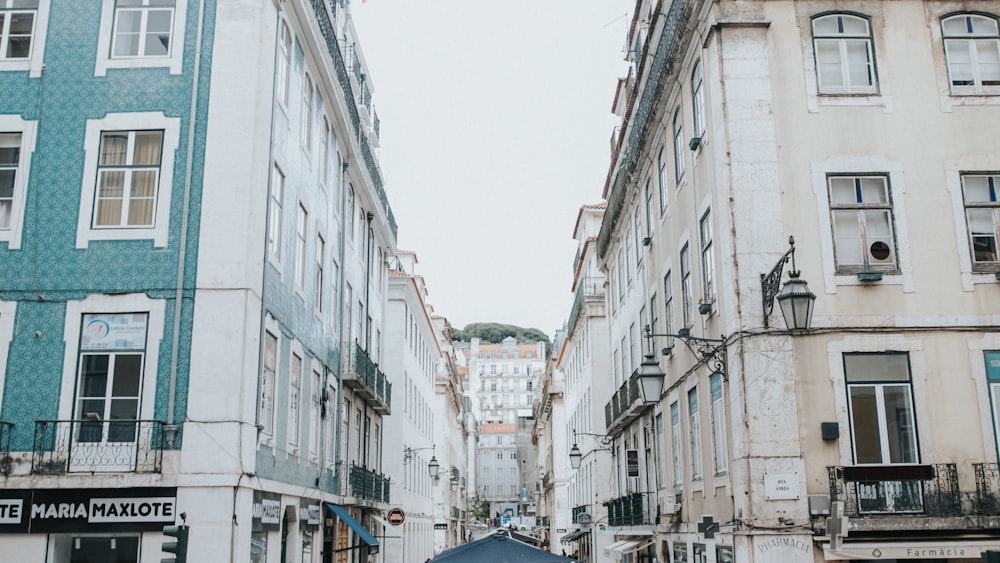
{"type": "Point", "coordinates": [872, 490]}
{"type": "Point", "coordinates": [363, 375]}
{"type": "Point", "coordinates": [987, 499]}
{"type": "Point", "coordinates": [5, 429]}
{"type": "Point", "coordinates": [97, 446]}
{"type": "Point", "coordinates": [630, 510]}
{"type": "Point", "coordinates": [625, 406]}
{"type": "Point", "coordinates": [369, 485]}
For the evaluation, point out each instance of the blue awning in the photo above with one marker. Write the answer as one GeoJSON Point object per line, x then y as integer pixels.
{"type": "Point", "coordinates": [359, 530]}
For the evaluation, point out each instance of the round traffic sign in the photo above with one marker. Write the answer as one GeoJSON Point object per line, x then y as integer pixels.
{"type": "Point", "coordinates": [396, 516]}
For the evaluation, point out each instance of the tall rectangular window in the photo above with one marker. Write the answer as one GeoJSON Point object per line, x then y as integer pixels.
{"type": "Point", "coordinates": [719, 425]}
{"type": "Point", "coordinates": [283, 63]}
{"type": "Point", "coordinates": [675, 445]}
{"type": "Point", "coordinates": [294, 396]}
{"type": "Point", "coordinates": [668, 305]}
{"type": "Point", "coordinates": [315, 404]}
{"type": "Point", "coordinates": [10, 157]}
{"type": "Point", "coordinates": [319, 283]}
{"type": "Point", "coordinates": [881, 406]}
{"type": "Point", "coordinates": [864, 239]}
{"type": "Point", "coordinates": [649, 207]}
{"type": "Point", "coordinates": [324, 171]}
{"type": "Point", "coordinates": [678, 146]}
{"type": "Point", "coordinates": [687, 292]}
{"type": "Point", "coordinates": [707, 257]}
{"type": "Point", "coordinates": [637, 235]}
{"type": "Point", "coordinates": [301, 221]}
{"type": "Point", "coordinates": [268, 376]}
{"type": "Point", "coordinates": [845, 58]}
{"type": "Point", "coordinates": [695, 426]}
{"type": "Point", "coordinates": [972, 49]}
{"type": "Point", "coordinates": [698, 100]}
{"type": "Point", "coordinates": [661, 178]}
{"type": "Point", "coordinates": [274, 242]}
{"type": "Point", "coordinates": [128, 172]}
{"type": "Point", "coordinates": [982, 215]}
{"type": "Point", "coordinates": [653, 320]}
{"type": "Point", "coordinates": [17, 26]}
{"type": "Point", "coordinates": [142, 28]}
{"type": "Point", "coordinates": [307, 112]}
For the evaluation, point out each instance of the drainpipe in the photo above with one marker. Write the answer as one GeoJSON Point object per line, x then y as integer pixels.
{"type": "Point", "coordinates": [171, 428]}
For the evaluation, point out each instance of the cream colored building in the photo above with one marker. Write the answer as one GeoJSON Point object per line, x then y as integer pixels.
{"type": "Point", "coordinates": [866, 130]}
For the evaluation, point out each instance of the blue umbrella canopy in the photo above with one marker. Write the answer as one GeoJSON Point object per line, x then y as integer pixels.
{"type": "Point", "coordinates": [498, 548]}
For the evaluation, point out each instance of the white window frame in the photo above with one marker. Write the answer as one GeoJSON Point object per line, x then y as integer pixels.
{"type": "Point", "coordinates": [127, 169]}
{"type": "Point", "coordinates": [294, 420]}
{"type": "Point", "coordinates": [283, 63]}
{"type": "Point", "coordinates": [705, 229]}
{"type": "Point", "coordinates": [268, 382]}
{"type": "Point", "coordinates": [315, 404]}
{"type": "Point", "coordinates": [299, 260]}
{"type": "Point", "coordinates": [970, 41]}
{"type": "Point", "coordinates": [687, 292]}
{"type": "Point", "coordinates": [661, 163]}
{"type": "Point", "coordinates": [993, 208]}
{"type": "Point", "coordinates": [678, 146]}
{"type": "Point", "coordinates": [880, 385]}
{"type": "Point", "coordinates": [842, 40]}
{"type": "Point", "coordinates": [8, 312]}
{"type": "Point", "coordinates": [275, 219]}
{"type": "Point", "coordinates": [160, 230]}
{"type": "Point", "coordinates": [694, 426]}
{"type": "Point", "coordinates": [307, 114]}
{"type": "Point", "coordinates": [102, 303]}
{"type": "Point", "coordinates": [677, 446]}
{"type": "Point", "coordinates": [717, 393]}
{"type": "Point", "coordinates": [173, 61]}
{"type": "Point", "coordinates": [28, 131]}
{"type": "Point", "coordinates": [698, 100]}
{"type": "Point", "coordinates": [34, 62]}
{"type": "Point", "coordinates": [862, 209]}
{"type": "Point", "coordinates": [319, 277]}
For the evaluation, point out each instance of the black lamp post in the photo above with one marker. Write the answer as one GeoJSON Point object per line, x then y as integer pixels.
{"type": "Point", "coordinates": [795, 299]}
{"type": "Point", "coordinates": [650, 378]}
{"type": "Point", "coordinates": [432, 468]}
{"type": "Point", "coordinates": [575, 456]}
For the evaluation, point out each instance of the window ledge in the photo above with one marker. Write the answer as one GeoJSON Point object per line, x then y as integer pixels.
{"type": "Point", "coordinates": [870, 276]}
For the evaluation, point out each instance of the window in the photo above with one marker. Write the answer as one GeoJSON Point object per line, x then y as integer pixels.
{"type": "Point", "coordinates": [315, 400]}
{"type": "Point", "coordinates": [267, 376]}
{"type": "Point", "coordinates": [972, 50]}
{"type": "Point", "coordinates": [307, 112]}
{"type": "Point", "coordinates": [318, 283]}
{"type": "Point", "coordinates": [982, 214]}
{"type": "Point", "coordinates": [325, 153]}
{"type": "Point", "coordinates": [668, 308]}
{"type": "Point", "coordinates": [350, 211]}
{"type": "Point", "coordinates": [661, 162]}
{"type": "Point", "coordinates": [294, 389]}
{"type": "Point", "coordinates": [862, 223]}
{"type": "Point", "coordinates": [653, 321]}
{"type": "Point", "coordinates": [649, 207]}
{"type": "Point", "coordinates": [698, 100]}
{"type": "Point", "coordinates": [128, 171]}
{"type": "Point", "coordinates": [845, 60]}
{"type": "Point", "coordinates": [675, 443]}
{"type": "Point", "coordinates": [719, 425]}
{"type": "Point", "coordinates": [283, 63]}
{"type": "Point", "coordinates": [23, 25]}
{"type": "Point", "coordinates": [687, 297]}
{"type": "Point", "coordinates": [142, 28]}
{"type": "Point", "coordinates": [637, 235]}
{"type": "Point", "coordinates": [141, 33]}
{"type": "Point", "coordinates": [695, 423]}
{"type": "Point", "coordinates": [17, 144]}
{"type": "Point", "coordinates": [301, 221]}
{"type": "Point", "coordinates": [274, 227]}
{"type": "Point", "coordinates": [128, 178]}
{"type": "Point", "coordinates": [678, 146]}
{"type": "Point", "coordinates": [707, 256]}
{"type": "Point", "coordinates": [87, 548]}
{"type": "Point", "coordinates": [17, 26]}
{"type": "Point", "coordinates": [881, 408]}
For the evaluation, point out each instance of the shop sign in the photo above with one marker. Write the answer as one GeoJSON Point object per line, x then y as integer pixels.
{"type": "Point", "coordinates": [632, 462]}
{"type": "Point", "coordinates": [913, 550]}
{"type": "Point", "coordinates": [309, 513]}
{"type": "Point", "coordinates": [781, 486]}
{"type": "Point", "coordinates": [266, 512]}
{"type": "Point", "coordinates": [993, 365]}
{"type": "Point", "coordinates": [439, 526]}
{"type": "Point", "coordinates": [76, 510]}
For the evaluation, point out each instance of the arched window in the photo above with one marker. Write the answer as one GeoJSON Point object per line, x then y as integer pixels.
{"type": "Point", "coordinates": [972, 50]}
{"type": "Point", "coordinates": [845, 58]}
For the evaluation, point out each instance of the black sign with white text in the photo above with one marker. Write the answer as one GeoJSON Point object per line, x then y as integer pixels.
{"type": "Point", "coordinates": [632, 462]}
{"type": "Point", "coordinates": [76, 510]}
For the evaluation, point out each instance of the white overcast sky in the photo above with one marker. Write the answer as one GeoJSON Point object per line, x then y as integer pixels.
{"type": "Point", "coordinates": [495, 128]}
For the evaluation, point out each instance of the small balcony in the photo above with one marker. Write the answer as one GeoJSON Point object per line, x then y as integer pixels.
{"type": "Point", "coordinates": [577, 511]}
{"type": "Point", "coordinates": [5, 429]}
{"type": "Point", "coordinates": [986, 502]}
{"type": "Point", "coordinates": [97, 446]}
{"type": "Point", "coordinates": [631, 510]}
{"type": "Point", "coordinates": [897, 490]}
{"type": "Point", "coordinates": [625, 406]}
{"type": "Point", "coordinates": [362, 374]}
{"type": "Point", "coordinates": [368, 485]}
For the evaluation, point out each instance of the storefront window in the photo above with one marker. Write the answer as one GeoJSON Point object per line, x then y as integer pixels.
{"type": "Point", "coordinates": [258, 547]}
{"type": "Point", "coordinates": [66, 548]}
